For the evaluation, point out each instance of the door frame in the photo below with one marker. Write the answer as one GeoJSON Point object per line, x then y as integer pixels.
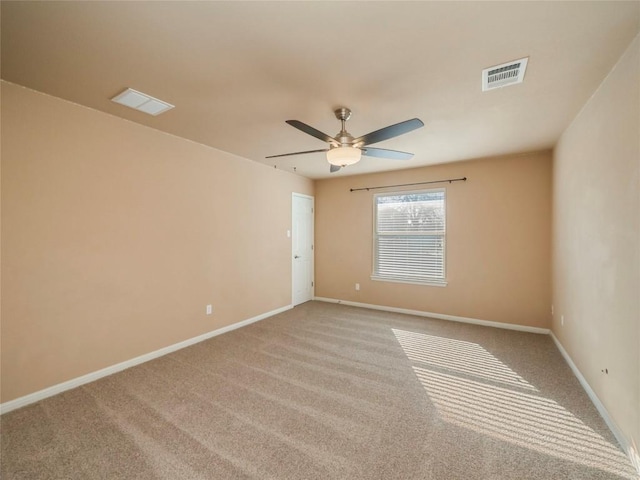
{"type": "Point", "coordinates": [313, 242]}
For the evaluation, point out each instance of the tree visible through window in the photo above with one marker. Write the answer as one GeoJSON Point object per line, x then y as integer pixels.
{"type": "Point", "coordinates": [409, 236]}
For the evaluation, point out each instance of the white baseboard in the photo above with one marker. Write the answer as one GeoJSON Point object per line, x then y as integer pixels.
{"type": "Point", "coordinates": [440, 316]}
{"type": "Point", "coordinates": [90, 377]}
{"type": "Point", "coordinates": [622, 439]}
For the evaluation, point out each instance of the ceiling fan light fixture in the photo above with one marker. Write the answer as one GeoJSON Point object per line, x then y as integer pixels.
{"type": "Point", "coordinates": [343, 156]}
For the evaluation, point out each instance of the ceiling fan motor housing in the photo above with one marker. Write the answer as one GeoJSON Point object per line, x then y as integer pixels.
{"type": "Point", "coordinates": [345, 139]}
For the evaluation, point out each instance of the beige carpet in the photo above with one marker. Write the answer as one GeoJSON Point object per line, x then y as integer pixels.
{"type": "Point", "coordinates": [326, 391]}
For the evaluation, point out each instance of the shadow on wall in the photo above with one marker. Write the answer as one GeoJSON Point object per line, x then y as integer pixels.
{"type": "Point", "coordinates": [473, 389]}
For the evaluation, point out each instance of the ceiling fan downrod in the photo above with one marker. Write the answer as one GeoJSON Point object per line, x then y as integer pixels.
{"type": "Point", "coordinates": [345, 138]}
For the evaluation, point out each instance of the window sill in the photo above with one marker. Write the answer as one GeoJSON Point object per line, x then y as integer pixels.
{"type": "Point", "coordinates": [430, 283]}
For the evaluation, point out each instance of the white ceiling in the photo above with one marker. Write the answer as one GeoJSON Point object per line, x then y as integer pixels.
{"type": "Point", "coordinates": [237, 70]}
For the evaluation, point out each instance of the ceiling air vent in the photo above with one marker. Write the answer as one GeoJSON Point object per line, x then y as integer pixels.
{"type": "Point", "coordinates": [141, 101]}
{"type": "Point", "coordinates": [503, 75]}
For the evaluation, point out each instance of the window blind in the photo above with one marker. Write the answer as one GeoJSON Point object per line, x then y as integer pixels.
{"type": "Point", "coordinates": [409, 237]}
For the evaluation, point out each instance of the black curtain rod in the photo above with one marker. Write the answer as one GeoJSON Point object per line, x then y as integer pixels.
{"type": "Point", "coordinates": [463, 179]}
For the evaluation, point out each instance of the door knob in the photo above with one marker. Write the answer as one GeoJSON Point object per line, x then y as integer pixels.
{"type": "Point", "coordinates": [296, 256]}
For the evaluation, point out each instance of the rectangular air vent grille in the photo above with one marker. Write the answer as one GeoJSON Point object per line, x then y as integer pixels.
{"type": "Point", "coordinates": [503, 75]}
{"type": "Point", "coordinates": [141, 101]}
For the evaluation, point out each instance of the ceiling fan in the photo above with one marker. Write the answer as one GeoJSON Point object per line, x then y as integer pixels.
{"type": "Point", "coordinates": [345, 150]}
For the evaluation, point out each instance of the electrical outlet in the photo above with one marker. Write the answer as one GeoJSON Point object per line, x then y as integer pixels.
{"type": "Point", "coordinates": [209, 309]}
{"type": "Point", "coordinates": [551, 309]}
{"type": "Point", "coordinates": [357, 287]}
{"type": "Point", "coordinates": [562, 320]}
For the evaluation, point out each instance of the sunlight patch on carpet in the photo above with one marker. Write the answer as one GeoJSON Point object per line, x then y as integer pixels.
{"type": "Point", "coordinates": [459, 356]}
{"type": "Point", "coordinates": [473, 389]}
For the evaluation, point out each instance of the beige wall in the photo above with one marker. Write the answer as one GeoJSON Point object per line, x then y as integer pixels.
{"type": "Point", "coordinates": [115, 237]}
{"type": "Point", "coordinates": [596, 242]}
{"type": "Point", "coordinates": [498, 241]}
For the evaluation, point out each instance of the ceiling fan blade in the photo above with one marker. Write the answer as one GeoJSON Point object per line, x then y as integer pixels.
{"type": "Point", "coordinates": [297, 153]}
{"type": "Point", "coordinates": [389, 132]}
{"type": "Point", "coordinates": [312, 131]}
{"type": "Point", "coordinates": [384, 153]}
{"type": "Point", "coordinates": [334, 168]}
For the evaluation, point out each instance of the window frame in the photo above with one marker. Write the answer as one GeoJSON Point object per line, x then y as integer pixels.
{"type": "Point", "coordinates": [436, 282]}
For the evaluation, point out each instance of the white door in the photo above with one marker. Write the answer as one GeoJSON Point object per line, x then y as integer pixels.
{"type": "Point", "coordinates": [302, 248]}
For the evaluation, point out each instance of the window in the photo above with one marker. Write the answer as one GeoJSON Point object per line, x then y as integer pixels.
{"type": "Point", "coordinates": [409, 237]}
